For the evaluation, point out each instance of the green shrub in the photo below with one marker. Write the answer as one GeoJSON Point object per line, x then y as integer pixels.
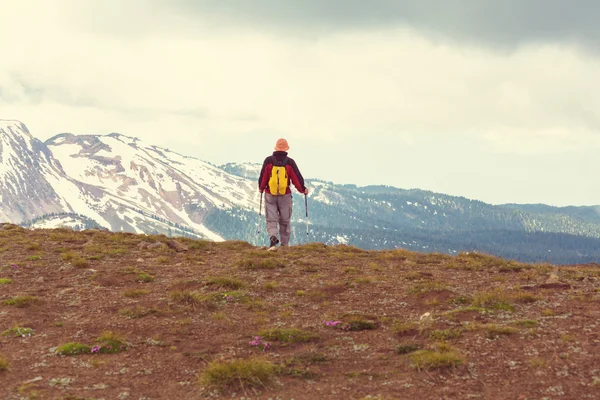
{"type": "Point", "coordinates": [72, 349]}
{"type": "Point", "coordinates": [18, 331]}
{"type": "Point", "coordinates": [110, 343]}
{"type": "Point", "coordinates": [22, 301]}
{"type": "Point", "coordinates": [5, 281]}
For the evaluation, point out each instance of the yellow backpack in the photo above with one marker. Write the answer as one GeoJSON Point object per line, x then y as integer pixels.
{"type": "Point", "coordinates": [279, 181]}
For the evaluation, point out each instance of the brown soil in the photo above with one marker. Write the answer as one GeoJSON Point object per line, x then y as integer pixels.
{"type": "Point", "coordinates": [544, 344]}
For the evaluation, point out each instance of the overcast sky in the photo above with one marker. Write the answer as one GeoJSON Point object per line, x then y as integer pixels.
{"type": "Point", "coordinates": [492, 100]}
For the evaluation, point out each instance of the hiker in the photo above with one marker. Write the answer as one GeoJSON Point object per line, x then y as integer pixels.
{"type": "Point", "coordinates": [277, 172]}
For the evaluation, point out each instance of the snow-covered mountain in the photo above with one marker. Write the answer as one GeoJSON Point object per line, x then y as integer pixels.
{"type": "Point", "coordinates": [114, 180]}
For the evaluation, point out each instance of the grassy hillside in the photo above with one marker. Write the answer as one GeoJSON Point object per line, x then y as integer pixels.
{"type": "Point", "coordinates": [92, 314]}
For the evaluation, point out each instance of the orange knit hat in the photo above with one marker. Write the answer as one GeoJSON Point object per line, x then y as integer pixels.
{"type": "Point", "coordinates": [282, 145]}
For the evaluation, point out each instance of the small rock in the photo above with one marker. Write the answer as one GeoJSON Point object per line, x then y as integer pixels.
{"type": "Point", "coordinates": [140, 260]}
{"type": "Point", "coordinates": [36, 379]}
{"type": "Point", "coordinates": [143, 245]}
{"type": "Point", "coordinates": [426, 319]}
{"type": "Point", "coordinates": [40, 279]}
{"type": "Point", "coordinates": [178, 247]}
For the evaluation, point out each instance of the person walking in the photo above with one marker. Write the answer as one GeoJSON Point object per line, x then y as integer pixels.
{"type": "Point", "coordinates": [277, 172]}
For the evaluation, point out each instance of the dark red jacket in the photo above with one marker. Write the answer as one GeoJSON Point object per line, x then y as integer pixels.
{"type": "Point", "coordinates": [291, 168]}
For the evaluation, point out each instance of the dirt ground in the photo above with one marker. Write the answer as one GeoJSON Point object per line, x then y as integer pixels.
{"type": "Point", "coordinates": [496, 329]}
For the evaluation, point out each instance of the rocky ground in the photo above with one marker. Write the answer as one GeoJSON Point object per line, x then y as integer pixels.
{"type": "Point", "coordinates": [99, 315]}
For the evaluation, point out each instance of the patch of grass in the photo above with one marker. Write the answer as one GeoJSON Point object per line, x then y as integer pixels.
{"type": "Point", "coordinates": [266, 263]}
{"type": "Point", "coordinates": [145, 277]}
{"type": "Point", "coordinates": [3, 363]}
{"type": "Point", "coordinates": [358, 323]}
{"type": "Point", "coordinates": [537, 363]}
{"type": "Point", "coordinates": [524, 297]}
{"type": "Point", "coordinates": [443, 356]}
{"type": "Point", "coordinates": [33, 246]}
{"type": "Point", "coordinates": [33, 258]}
{"type": "Point", "coordinates": [5, 281]}
{"type": "Point", "coordinates": [238, 374]}
{"type": "Point", "coordinates": [95, 257]}
{"type": "Point", "coordinates": [495, 299]}
{"type": "Point", "coordinates": [137, 312]}
{"type": "Point", "coordinates": [199, 244]}
{"type": "Point", "coordinates": [142, 276]}
{"type": "Point", "coordinates": [426, 287]}
{"type": "Point", "coordinates": [22, 301]}
{"type": "Point", "coordinates": [465, 266]}
{"type": "Point", "coordinates": [493, 330]}
{"type": "Point", "coordinates": [117, 251]}
{"type": "Point", "coordinates": [407, 348]}
{"type": "Point", "coordinates": [134, 293]}
{"type": "Point", "coordinates": [270, 286]}
{"type": "Point", "coordinates": [18, 331]}
{"type": "Point", "coordinates": [547, 312]}
{"type": "Point", "coordinates": [414, 276]}
{"type": "Point", "coordinates": [68, 256]}
{"type": "Point", "coordinates": [308, 358]}
{"type": "Point", "coordinates": [111, 343]}
{"type": "Point", "coordinates": [350, 270]}
{"type": "Point", "coordinates": [289, 335]}
{"type": "Point", "coordinates": [162, 260]}
{"type": "Point", "coordinates": [375, 267]}
{"type": "Point", "coordinates": [445, 334]}
{"type": "Point", "coordinates": [79, 262]}
{"type": "Point", "coordinates": [405, 328]}
{"type": "Point", "coordinates": [73, 349]}
{"type": "Point", "coordinates": [300, 293]}
{"type": "Point", "coordinates": [527, 323]}
{"type": "Point", "coordinates": [193, 299]}
{"type": "Point", "coordinates": [461, 300]}
{"type": "Point", "coordinates": [226, 282]}
{"type": "Point", "coordinates": [364, 279]}
{"type": "Point", "coordinates": [511, 266]}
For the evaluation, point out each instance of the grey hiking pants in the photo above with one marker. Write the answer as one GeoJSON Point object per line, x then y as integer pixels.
{"type": "Point", "coordinates": [278, 209]}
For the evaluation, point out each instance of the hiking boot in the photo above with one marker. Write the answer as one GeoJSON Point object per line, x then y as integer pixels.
{"type": "Point", "coordinates": [274, 241]}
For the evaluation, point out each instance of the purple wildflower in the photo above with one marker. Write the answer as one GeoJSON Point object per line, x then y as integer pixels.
{"type": "Point", "coordinates": [258, 342]}
{"type": "Point", "coordinates": [96, 349]}
{"type": "Point", "coordinates": [14, 266]}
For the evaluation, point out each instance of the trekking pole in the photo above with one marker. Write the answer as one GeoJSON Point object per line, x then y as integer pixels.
{"type": "Point", "coordinates": [259, 212]}
{"type": "Point", "coordinates": [306, 207]}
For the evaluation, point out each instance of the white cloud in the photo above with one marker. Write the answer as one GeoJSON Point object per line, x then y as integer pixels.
{"type": "Point", "coordinates": [225, 94]}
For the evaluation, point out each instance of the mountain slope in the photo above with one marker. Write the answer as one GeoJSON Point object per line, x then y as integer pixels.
{"type": "Point", "coordinates": [29, 175]}
{"type": "Point", "coordinates": [135, 185]}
